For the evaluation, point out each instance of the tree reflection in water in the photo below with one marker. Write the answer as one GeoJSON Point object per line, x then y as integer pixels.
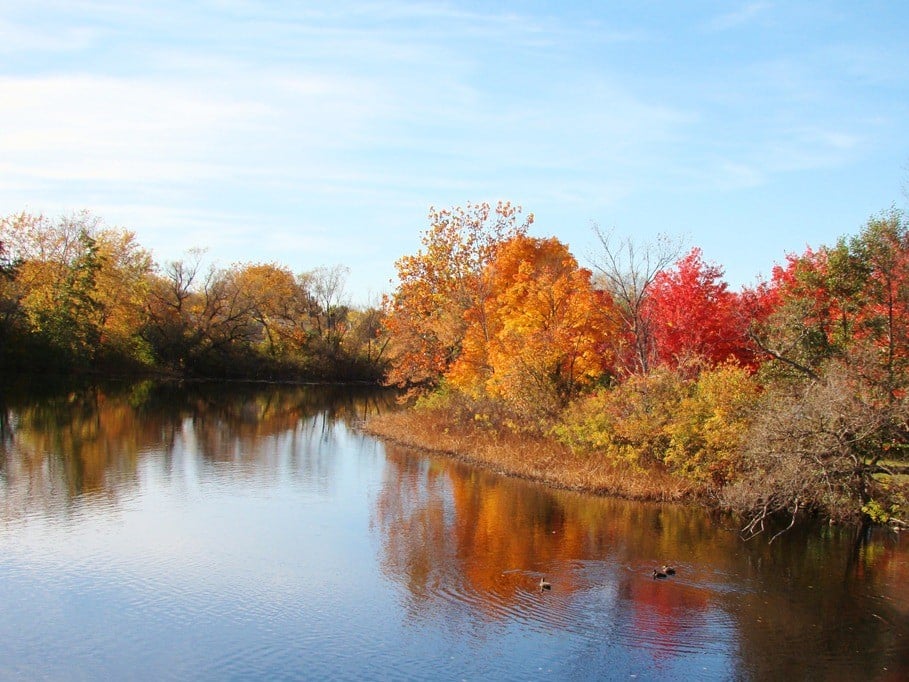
{"type": "Point", "coordinates": [88, 443]}
{"type": "Point", "coordinates": [464, 541]}
{"type": "Point", "coordinates": [464, 549]}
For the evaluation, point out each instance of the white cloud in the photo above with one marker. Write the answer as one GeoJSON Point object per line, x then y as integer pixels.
{"type": "Point", "coordinates": [103, 128]}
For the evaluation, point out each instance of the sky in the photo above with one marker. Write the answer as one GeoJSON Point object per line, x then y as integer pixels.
{"type": "Point", "coordinates": [314, 134]}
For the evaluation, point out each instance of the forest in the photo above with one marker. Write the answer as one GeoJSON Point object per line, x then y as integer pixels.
{"type": "Point", "coordinates": [782, 399]}
{"type": "Point", "coordinates": [79, 297]}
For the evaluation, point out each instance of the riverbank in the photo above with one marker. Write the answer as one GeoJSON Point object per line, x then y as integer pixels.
{"type": "Point", "coordinates": [533, 458]}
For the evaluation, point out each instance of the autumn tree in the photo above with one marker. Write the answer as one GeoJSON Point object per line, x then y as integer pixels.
{"type": "Point", "coordinates": [835, 411]}
{"type": "Point", "coordinates": [692, 315]}
{"type": "Point", "coordinates": [541, 332]}
{"type": "Point", "coordinates": [11, 317]}
{"type": "Point", "coordinates": [425, 316]}
{"type": "Point", "coordinates": [78, 285]}
{"type": "Point", "coordinates": [122, 290]}
{"type": "Point", "coordinates": [275, 304]}
{"type": "Point", "coordinates": [328, 310]}
{"type": "Point", "coordinates": [627, 269]}
{"type": "Point", "coordinates": [169, 327]}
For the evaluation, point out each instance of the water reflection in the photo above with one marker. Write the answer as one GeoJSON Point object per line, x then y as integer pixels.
{"type": "Point", "coordinates": [89, 444]}
{"type": "Point", "coordinates": [819, 603]}
{"type": "Point", "coordinates": [258, 519]}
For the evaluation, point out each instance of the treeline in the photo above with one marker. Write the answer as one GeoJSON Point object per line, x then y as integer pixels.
{"type": "Point", "coordinates": [786, 397]}
{"type": "Point", "coordinates": [76, 295]}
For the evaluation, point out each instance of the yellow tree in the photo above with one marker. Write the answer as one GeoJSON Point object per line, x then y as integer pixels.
{"type": "Point", "coordinates": [274, 303]}
{"type": "Point", "coordinates": [425, 316]}
{"type": "Point", "coordinates": [80, 285]}
{"type": "Point", "coordinates": [541, 334]}
{"type": "Point", "coordinates": [122, 290]}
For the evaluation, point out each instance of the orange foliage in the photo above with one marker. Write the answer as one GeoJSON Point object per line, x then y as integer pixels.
{"type": "Point", "coordinates": [540, 333]}
{"type": "Point", "coordinates": [426, 314]}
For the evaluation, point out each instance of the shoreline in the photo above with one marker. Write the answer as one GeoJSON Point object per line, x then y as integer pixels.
{"type": "Point", "coordinates": [536, 459]}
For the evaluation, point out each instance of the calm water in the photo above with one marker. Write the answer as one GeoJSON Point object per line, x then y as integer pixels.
{"type": "Point", "coordinates": [213, 532]}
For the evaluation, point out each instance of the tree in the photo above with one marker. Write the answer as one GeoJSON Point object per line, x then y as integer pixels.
{"type": "Point", "coordinates": [328, 312]}
{"type": "Point", "coordinates": [815, 447]}
{"type": "Point", "coordinates": [541, 333]}
{"type": "Point", "coordinates": [169, 328]}
{"type": "Point", "coordinates": [627, 271]}
{"type": "Point", "coordinates": [839, 408]}
{"type": "Point", "coordinates": [275, 303]}
{"type": "Point", "coordinates": [425, 316]}
{"type": "Point", "coordinates": [692, 315]}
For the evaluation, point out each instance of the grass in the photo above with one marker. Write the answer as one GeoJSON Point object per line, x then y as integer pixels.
{"type": "Point", "coordinates": [534, 458]}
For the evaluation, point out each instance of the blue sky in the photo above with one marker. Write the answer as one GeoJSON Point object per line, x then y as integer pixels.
{"type": "Point", "coordinates": [320, 133]}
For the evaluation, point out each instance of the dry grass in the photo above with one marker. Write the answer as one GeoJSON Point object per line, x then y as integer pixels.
{"type": "Point", "coordinates": [533, 458]}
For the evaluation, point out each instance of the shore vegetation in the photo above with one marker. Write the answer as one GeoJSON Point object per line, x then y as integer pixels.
{"type": "Point", "coordinates": [643, 375]}
{"type": "Point", "coordinates": [647, 376]}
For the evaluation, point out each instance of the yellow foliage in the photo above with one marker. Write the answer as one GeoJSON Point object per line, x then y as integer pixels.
{"type": "Point", "coordinates": [694, 426]}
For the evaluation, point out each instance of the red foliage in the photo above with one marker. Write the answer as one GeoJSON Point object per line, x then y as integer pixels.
{"type": "Point", "coordinates": [693, 315]}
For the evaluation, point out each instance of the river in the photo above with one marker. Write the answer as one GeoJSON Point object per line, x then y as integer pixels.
{"type": "Point", "coordinates": [213, 532]}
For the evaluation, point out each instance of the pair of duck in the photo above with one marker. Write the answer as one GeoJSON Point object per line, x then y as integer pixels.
{"type": "Point", "coordinates": [663, 572]}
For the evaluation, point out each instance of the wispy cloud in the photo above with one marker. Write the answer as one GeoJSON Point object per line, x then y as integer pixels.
{"type": "Point", "coordinates": [249, 125]}
{"type": "Point", "coordinates": [739, 17]}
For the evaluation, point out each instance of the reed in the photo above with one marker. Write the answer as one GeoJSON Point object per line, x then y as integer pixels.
{"type": "Point", "coordinates": [532, 457]}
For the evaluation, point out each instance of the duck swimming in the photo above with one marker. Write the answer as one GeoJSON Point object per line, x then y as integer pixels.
{"type": "Point", "coordinates": [544, 585]}
{"type": "Point", "coordinates": [668, 570]}
{"type": "Point", "coordinates": [659, 574]}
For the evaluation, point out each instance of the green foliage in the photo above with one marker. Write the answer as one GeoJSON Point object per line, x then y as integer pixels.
{"type": "Point", "coordinates": [72, 322]}
{"type": "Point", "coordinates": [878, 513]}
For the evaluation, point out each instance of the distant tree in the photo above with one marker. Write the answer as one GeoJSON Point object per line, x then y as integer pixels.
{"type": "Point", "coordinates": [328, 311]}
{"type": "Point", "coordinates": [79, 286]}
{"type": "Point", "coordinates": [275, 304]}
{"type": "Point", "coordinates": [170, 329]}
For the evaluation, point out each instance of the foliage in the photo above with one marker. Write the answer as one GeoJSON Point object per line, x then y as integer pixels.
{"type": "Point", "coordinates": [693, 315]}
{"type": "Point", "coordinates": [540, 334]}
{"type": "Point", "coordinates": [693, 427]}
{"type": "Point", "coordinates": [628, 423]}
{"type": "Point", "coordinates": [711, 424]}
{"type": "Point", "coordinates": [76, 295]}
{"type": "Point", "coordinates": [425, 316]}
{"type": "Point", "coordinates": [816, 445]}
{"type": "Point", "coordinates": [627, 271]}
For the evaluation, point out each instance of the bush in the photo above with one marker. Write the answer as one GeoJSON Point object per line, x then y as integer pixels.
{"type": "Point", "coordinates": [693, 426]}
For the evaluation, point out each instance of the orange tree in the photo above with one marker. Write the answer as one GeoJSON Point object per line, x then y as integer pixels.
{"type": "Point", "coordinates": [425, 316]}
{"type": "Point", "coordinates": [540, 334]}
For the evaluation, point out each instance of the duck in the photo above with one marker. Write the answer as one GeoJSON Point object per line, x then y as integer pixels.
{"type": "Point", "coordinates": [668, 570]}
{"type": "Point", "coordinates": [659, 574]}
{"type": "Point", "coordinates": [544, 585]}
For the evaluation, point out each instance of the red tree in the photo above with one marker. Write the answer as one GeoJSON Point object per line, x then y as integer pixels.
{"type": "Point", "coordinates": [694, 316]}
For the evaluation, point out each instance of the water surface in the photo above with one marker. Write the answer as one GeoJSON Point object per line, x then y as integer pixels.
{"type": "Point", "coordinates": [252, 532]}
